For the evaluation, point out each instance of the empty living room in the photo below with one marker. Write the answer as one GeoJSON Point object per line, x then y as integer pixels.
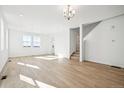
{"type": "Point", "coordinates": [61, 46]}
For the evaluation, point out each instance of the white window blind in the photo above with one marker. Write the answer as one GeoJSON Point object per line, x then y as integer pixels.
{"type": "Point", "coordinates": [36, 41]}
{"type": "Point", "coordinates": [27, 40]}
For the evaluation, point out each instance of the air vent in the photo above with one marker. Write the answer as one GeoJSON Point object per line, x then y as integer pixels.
{"type": "Point", "coordinates": [116, 67]}
{"type": "Point", "coordinates": [9, 61]}
{"type": "Point", "coordinates": [4, 77]}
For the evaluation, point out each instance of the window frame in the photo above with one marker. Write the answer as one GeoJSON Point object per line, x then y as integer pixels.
{"type": "Point", "coordinates": [32, 41]}
{"type": "Point", "coordinates": [23, 41]}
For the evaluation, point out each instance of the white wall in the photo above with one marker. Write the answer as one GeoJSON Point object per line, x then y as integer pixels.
{"type": "Point", "coordinates": [3, 42]}
{"type": "Point", "coordinates": [89, 27]}
{"type": "Point", "coordinates": [62, 43]}
{"type": "Point", "coordinates": [16, 46]}
{"type": "Point", "coordinates": [105, 44]}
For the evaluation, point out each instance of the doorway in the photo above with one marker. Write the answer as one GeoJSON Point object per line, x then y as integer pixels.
{"type": "Point", "coordinates": [75, 44]}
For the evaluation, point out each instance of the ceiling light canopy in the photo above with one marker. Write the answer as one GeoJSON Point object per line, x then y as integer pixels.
{"type": "Point", "coordinates": [21, 15]}
{"type": "Point", "coordinates": [69, 12]}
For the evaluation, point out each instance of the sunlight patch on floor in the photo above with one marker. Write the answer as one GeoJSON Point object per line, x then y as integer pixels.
{"type": "Point", "coordinates": [33, 66]}
{"type": "Point", "coordinates": [28, 65]}
{"type": "Point", "coordinates": [19, 63]}
{"type": "Point", "coordinates": [43, 85]}
{"type": "Point", "coordinates": [34, 82]}
{"type": "Point", "coordinates": [27, 79]}
{"type": "Point", "coordinates": [50, 57]}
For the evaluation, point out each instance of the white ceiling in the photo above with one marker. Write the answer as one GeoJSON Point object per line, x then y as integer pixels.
{"type": "Point", "coordinates": [49, 18]}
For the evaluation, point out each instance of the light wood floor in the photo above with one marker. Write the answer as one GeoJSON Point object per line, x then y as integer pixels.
{"type": "Point", "coordinates": [49, 71]}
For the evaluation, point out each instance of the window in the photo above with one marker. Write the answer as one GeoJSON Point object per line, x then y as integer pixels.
{"type": "Point", "coordinates": [2, 34]}
{"type": "Point", "coordinates": [27, 40]}
{"type": "Point", "coordinates": [31, 41]}
{"type": "Point", "coordinates": [7, 39]}
{"type": "Point", "coordinates": [36, 41]}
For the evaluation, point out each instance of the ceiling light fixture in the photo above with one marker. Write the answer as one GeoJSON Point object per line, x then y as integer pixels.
{"type": "Point", "coordinates": [21, 15]}
{"type": "Point", "coordinates": [69, 12]}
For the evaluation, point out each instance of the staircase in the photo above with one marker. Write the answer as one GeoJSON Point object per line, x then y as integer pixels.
{"type": "Point", "coordinates": [75, 56]}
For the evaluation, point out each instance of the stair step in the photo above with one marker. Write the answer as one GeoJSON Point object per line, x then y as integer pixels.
{"type": "Point", "coordinates": [77, 55]}
{"type": "Point", "coordinates": [77, 52]}
{"type": "Point", "coordinates": [74, 57]}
